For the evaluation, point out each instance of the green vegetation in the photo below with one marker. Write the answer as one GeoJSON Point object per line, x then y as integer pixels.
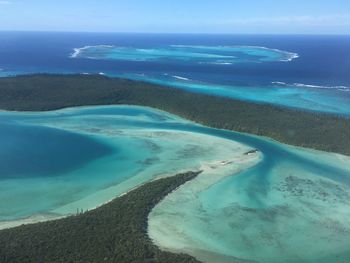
{"type": "Point", "coordinates": [48, 92]}
{"type": "Point", "coordinates": [115, 232]}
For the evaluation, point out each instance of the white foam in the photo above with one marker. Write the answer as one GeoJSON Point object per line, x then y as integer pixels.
{"type": "Point", "coordinates": [301, 85]}
{"type": "Point", "coordinates": [308, 86]}
{"type": "Point", "coordinates": [216, 63]}
{"type": "Point", "coordinates": [221, 63]}
{"type": "Point", "coordinates": [289, 56]}
{"type": "Point", "coordinates": [341, 88]}
{"type": "Point", "coordinates": [285, 56]}
{"type": "Point", "coordinates": [77, 51]}
{"type": "Point", "coordinates": [180, 78]}
{"type": "Point", "coordinates": [279, 83]}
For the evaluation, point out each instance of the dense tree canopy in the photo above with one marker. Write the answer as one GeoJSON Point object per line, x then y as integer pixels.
{"type": "Point", "coordinates": [48, 92]}
{"type": "Point", "coordinates": [115, 232]}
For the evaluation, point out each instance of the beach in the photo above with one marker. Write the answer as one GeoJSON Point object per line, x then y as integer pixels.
{"type": "Point", "coordinates": [255, 198]}
{"type": "Point", "coordinates": [138, 155]}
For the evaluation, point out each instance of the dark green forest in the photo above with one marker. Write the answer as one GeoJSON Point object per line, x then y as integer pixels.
{"type": "Point", "coordinates": [115, 232]}
{"type": "Point", "coordinates": [48, 92]}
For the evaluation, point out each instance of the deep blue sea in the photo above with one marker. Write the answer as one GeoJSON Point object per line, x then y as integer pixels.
{"type": "Point", "coordinates": [299, 71]}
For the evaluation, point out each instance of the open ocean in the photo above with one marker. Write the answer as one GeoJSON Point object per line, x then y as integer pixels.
{"type": "Point", "coordinates": [298, 71]}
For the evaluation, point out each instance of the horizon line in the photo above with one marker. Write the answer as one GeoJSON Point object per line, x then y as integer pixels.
{"type": "Point", "coordinates": [172, 33]}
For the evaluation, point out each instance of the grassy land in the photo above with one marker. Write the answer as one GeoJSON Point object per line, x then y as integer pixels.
{"type": "Point", "coordinates": [115, 232]}
{"type": "Point", "coordinates": [48, 92]}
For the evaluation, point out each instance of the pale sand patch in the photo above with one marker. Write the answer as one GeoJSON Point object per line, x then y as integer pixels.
{"type": "Point", "coordinates": [220, 155]}
{"type": "Point", "coordinates": [29, 220]}
{"type": "Point", "coordinates": [160, 228]}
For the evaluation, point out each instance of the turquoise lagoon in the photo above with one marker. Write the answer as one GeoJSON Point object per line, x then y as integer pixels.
{"type": "Point", "coordinates": [60, 162]}
{"type": "Point", "coordinates": [294, 71]}
{"type": "Point", "coordinates": [215, 70]}
{"type": "Point", "coordinates": [279, 204]}
{"type": "Point", "coordinates": [224, 55]}
{"type": "Point", "coordinates": [335, 99]}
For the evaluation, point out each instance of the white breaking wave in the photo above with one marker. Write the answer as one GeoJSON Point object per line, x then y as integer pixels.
{"type": "Point", "coordinates": [215, 63]}
{"type": "Point", "coordinates": [219, 63]}
{"type": "Point", "coordinates": [289, 56]}
{"type": "Point", "coordinates": [180, 78]}
{"type": "Point", "coordinates": [212, 57]}
{"type": "Point", "coordinates": [77, 51]}
{"type": "Point", "coordinates": [279, 83]}
{"type": "Point", "coordinates": [87, 73]}
{"type": "Point", "coordinates": [301, 85]}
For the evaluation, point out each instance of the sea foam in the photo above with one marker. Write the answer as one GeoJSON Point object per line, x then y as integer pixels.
{"type": "Point", "coordinates": [301, 85]}
{"type": "Point", "coordinates": [287, 56]}
{"type": "Point", "coordinates": [77, 51]}
{"type": "Point", "coordinates": [217, 55]}
{"type": "Point", "coordinates": [180, 78]}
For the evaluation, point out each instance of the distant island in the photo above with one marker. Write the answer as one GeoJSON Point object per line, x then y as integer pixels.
{"type": "Point", "coordinates": [44, 92]}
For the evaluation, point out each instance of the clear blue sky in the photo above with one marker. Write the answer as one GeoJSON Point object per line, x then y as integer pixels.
{"type": "Point", "coordinates": [184, 16]}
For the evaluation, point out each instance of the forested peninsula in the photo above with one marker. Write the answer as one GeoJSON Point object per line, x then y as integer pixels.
{"type": "Point", "coordinates": [114, 232]}
{"type": "Point", "coordinates": [43, 92]}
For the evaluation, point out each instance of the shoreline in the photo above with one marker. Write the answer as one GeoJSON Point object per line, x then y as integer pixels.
{"type": "Point", "coordinates": [225, 155]}
{"type": "Point", "coordinates": [211, 175]}
{"type": "Point", "coordinates": [175, 117]}
{"type": "Point", "coordinates": [159, 85]}
{"type": "Point", "coordinates": [120, 223]}
{"type": "Point", "coordinates": [289, 126]}
{"type": "Point", "coordinates": [219, 163]}
{"type": "Point", "coordinates": [54, 215]}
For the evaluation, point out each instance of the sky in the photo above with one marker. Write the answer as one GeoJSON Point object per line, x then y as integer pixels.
{"type": "Point", "coordinates": [178, 16]}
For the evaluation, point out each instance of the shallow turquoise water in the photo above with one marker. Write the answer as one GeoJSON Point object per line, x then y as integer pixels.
{"type": "Point", "coordinates": [224, 55]}
{"type": "Point", "coordinates": [56, 163]}
{"type": "Point", "coordinates": [223, 79]}
{"type": "Point", "coordinates": [259, 68]}
{"type": "Point", "coordinates": [315, 98]}
{"type": "Point", "coordinates": [291, 206]}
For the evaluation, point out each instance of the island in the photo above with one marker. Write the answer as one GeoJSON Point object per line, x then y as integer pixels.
{"type": "Point", "coordinates": [44, 92]}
